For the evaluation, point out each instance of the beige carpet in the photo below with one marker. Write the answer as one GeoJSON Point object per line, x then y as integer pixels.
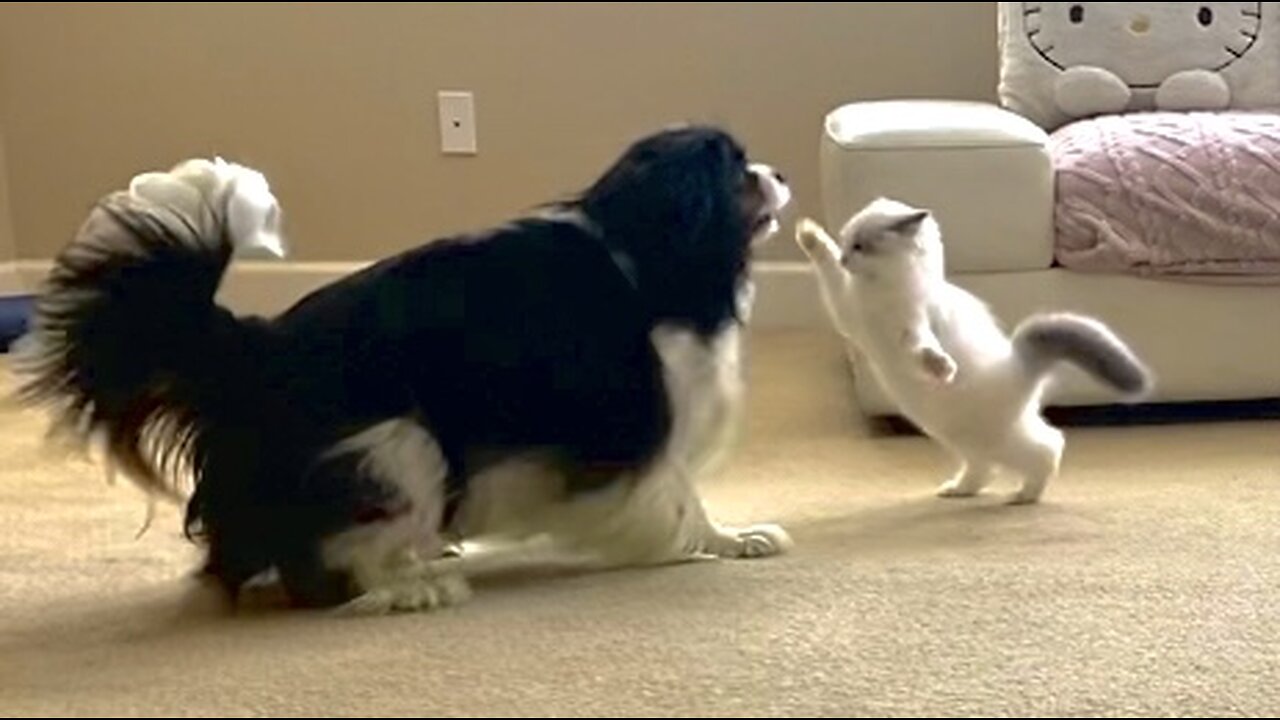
{"type": "Point", "coordinates": [1145, 584]}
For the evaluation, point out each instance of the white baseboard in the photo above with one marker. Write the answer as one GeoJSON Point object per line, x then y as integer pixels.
{"type": "Point", "coordinates": [11, 282]}
{"type": "Point", "coordinates": [786, 292]}
{"type": "Point", "coordinates": [787, 296]}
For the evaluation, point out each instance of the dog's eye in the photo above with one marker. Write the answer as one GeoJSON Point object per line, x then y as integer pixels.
{"type": "Point", "coordinates": [856, 247]}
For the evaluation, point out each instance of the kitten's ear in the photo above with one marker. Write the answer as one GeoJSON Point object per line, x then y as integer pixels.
{"type": "Point", "coordinates": [909, 224]}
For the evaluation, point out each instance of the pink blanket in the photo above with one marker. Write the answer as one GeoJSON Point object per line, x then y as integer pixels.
{"type": "Point", "coordinates": [1194, 195]}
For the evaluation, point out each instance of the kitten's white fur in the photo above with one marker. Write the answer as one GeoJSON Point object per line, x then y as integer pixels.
{"type": "Point", "coordinates": [942, 356]}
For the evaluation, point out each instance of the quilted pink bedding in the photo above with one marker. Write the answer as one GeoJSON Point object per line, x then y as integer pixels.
{"type": "Point", "coordinates": [1193, 195]}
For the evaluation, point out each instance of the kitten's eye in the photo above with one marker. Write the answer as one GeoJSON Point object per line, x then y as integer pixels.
{"type": "Point", "coordinates": [1076, 14]}
{"type": "Point", "coordinates": [856, 247]}
{"type": "Point", "coordinates": [1205, 16]}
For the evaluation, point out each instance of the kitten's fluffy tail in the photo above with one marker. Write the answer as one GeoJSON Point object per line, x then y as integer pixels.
{"type": "Point", "coordinates": [1042, 341]}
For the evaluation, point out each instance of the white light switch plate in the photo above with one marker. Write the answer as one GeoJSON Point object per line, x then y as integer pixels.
{"type": "Point", "coordinates": [457, 122]}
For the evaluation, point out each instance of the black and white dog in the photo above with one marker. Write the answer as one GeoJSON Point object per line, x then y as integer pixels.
{"type": "Point", "coordinates": [568, 375]}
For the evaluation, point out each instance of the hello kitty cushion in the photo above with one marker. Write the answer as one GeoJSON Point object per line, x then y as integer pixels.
{"type": "Point", "coordinates": [1060, 60]}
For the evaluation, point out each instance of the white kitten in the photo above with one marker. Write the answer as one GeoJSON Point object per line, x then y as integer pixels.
{"type": "Point", "coordinates": [941, 355]}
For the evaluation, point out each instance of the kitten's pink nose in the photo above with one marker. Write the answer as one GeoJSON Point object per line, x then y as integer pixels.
{"type": "Point", "coordinates": [1140, 25]}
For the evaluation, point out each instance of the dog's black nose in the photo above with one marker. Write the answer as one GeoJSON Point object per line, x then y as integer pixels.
{"type": "Point", "coordinates": [778, 176]}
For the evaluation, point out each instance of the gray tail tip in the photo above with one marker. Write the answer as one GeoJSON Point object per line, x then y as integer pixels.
{"type": "Point", "coordinates": [1135, 383]}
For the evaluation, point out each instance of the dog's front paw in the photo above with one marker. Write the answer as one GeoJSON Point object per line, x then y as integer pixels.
{"type": "Point", "coordinates": [419, 594]}
{"type": "Point", "coordinates": [753, 541]}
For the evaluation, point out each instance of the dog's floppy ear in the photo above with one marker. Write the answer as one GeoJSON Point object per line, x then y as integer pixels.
{"type": "Point", "coordinates": [672, 203]}
{"type": "Point", "coordinates": [664, 193]}
{"type": "Point", "coordinates": [691, 198]}
{"type": "Point", "coordinates": [699, 195]}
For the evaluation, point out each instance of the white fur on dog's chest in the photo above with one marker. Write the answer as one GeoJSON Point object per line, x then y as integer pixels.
{"type": "Point", "coordinates": [704, 388]}
{"type": "Point", "coordinates": [703, 385]}
{"type": "Point", "coordinates": [659, 517]}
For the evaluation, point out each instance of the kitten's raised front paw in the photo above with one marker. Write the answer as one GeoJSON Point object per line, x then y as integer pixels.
{"type": "Point", "coordinates": [812, 237]}
{"type": "Point", "coordinates": [938, 365]}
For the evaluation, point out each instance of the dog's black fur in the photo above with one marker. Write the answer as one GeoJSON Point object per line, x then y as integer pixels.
{"type": "Point", "coordinates": [531, 335]}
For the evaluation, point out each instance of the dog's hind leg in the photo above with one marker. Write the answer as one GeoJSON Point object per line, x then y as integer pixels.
{"type": "Point", "coordinates": [395, 558]}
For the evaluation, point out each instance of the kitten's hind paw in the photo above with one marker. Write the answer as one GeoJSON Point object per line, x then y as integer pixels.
{"type": "Point", "coordinates": [957, 488]}
{"type": "Point", "coordinates": [1024, 497]}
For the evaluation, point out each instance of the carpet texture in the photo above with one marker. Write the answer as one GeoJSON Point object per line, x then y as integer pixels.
{"type": "Point", "coordinates": [1145, 584]}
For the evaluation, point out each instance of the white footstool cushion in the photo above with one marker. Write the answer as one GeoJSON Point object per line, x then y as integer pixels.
{"type": "Point", "coordinates": [984, 171]}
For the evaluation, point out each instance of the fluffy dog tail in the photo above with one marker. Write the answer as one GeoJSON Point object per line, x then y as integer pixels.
{"type": "Point", "coordinates": [127, 343]}
{"type": "Point", "coordinates": [1042, 341]}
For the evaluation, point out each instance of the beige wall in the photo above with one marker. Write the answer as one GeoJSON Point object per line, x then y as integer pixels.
{"type": "Point", "coordinates": [8, 250]}
{"type": "Point", "coordinates": [336, 102]}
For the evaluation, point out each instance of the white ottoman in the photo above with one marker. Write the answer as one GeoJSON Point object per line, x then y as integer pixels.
{"type": "Point", "coordinates": [984, 171]}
